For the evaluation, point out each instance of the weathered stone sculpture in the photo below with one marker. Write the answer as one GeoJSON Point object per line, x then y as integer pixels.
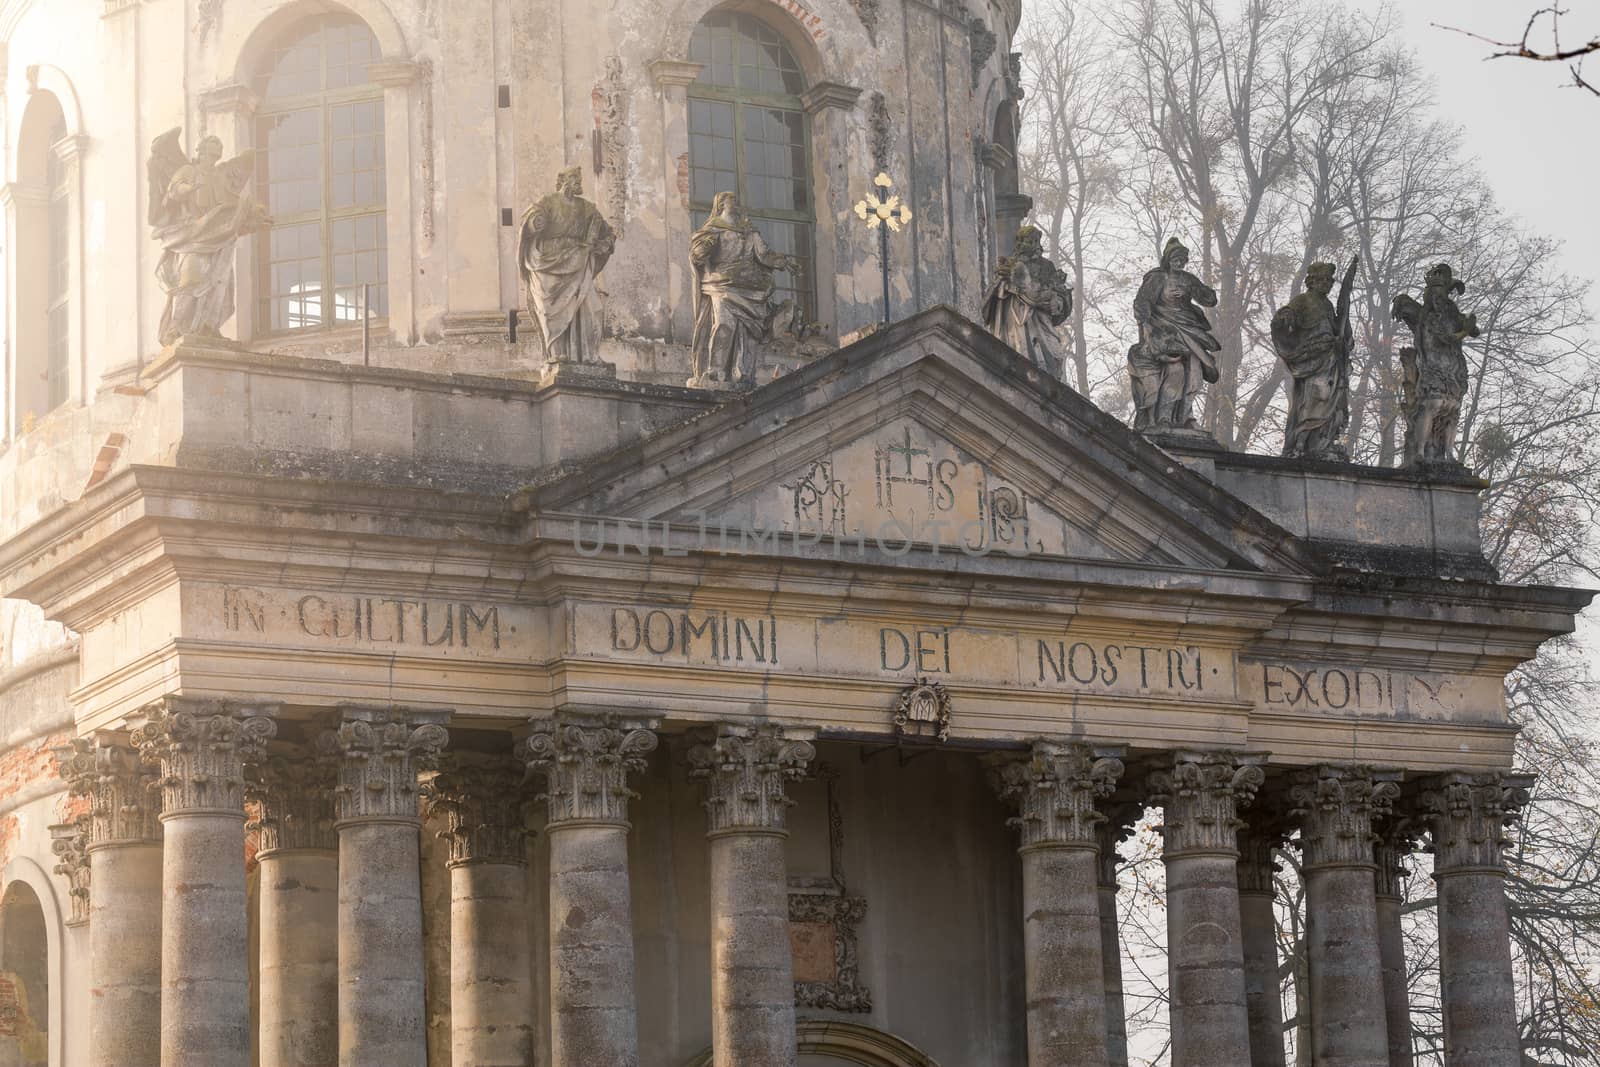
{"type": "Point", "coordinates": [1176, 353]}
{"type": "Point", "coordinates": [1314, 339]}
{"type": "Point", "coordinates": [734, 310]}
{"type": "Point", "coordinates": [198, 211]}
{"type": "Point", "coordinates": [564, 245]}
{"type": "Point", "coordinates": [1029, 299]}
{"type": "Point", "coordinates": [1436, 369]}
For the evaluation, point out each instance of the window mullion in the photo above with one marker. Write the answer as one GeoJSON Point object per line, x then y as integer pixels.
{"type": "Point", "coordinates": [328, 302]}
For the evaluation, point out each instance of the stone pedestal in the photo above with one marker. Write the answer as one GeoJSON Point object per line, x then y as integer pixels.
{"type": "Point", "coordinates": [201, 748]}
{"type": "Point", "coordinates": [122, 835]}
{"type": "Point", "coordinates": [381, 1012]}
{"type": "Point", "coordinates": [745, 771]}
{"type": "Point", "coordinates": [491, 983]}
{"type": "Point", "coordinates": [297, 1015]}
{"type": "Point", "coordinates": [1055, 791]}
{"type": "Point", "coordinates": [1466, 815]}
{"type": "Point", "coordinates": [1258, 925]}
{"type": "Point", "coordinates": [1336, 807]}
{"type": "Point", "coordinates": [1201, 795]}
{"type": "Point", "coordinates": [1395, 842]}
{"type": "Point", "coordinates": [593, 1009]}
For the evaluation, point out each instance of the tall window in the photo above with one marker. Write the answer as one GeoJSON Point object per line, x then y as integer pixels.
{"type": "Point", "coordinates": [58, 225]}
{"type": "Point", "coordinates": [748, 134]}
{"type": "Point", "coordinates": [320, 139]}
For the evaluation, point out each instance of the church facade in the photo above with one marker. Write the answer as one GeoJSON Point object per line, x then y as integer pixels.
{"type": "Point", "coordinates": [384, 683]}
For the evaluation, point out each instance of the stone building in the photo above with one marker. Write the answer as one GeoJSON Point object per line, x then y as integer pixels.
{"type": "Point", "coordinates": [833, 698]}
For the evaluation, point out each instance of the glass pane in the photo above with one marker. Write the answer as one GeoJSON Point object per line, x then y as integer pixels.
{"type": "Point", "coordinates": [356, 155]}
{"type": "Point", "coordinates": [742, 52]}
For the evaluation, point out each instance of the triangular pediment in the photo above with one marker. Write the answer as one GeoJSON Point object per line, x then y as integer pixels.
{"type": "Point", "coordinates": [935, 434]}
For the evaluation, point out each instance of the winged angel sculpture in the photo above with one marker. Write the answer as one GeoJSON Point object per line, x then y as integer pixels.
{"type": "Point", "coordinates": [198, 211]}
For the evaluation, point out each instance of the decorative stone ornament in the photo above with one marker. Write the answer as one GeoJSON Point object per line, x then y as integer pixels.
{"type": "Point", "coordinates": [1435, 370]}
{"type": "Point", "coordinates": [1028, 302]}
{"type": "Point", "coordinates": [586, 766]}
{"type": "Point", "coordinates": [734, 306]}
{"type": "Point", "coordinates": [1117, 828]}
{"type": "Point", "coordinates": [69, 843]}
{"type": "Point", "coordinates": [924, 706]}
{"type": "Point", "coordinates": [1176, 355]}
{"type": "Point", "coordinates": [1057, 790]}
{"type": "Point", "coordinates": [202, 747]}
{"type": "Point", "coordinates": [483, 802]}
{"type": "Point", "coordinates": [1315, 340]}
{"type": "Point", "coordinates": [1336, 808]}
{"type": "Point", "coordinates": [562, 247]}
{"type": "Point", "coordinates": [1468, 815]}
{"type": "Point", "coordinates": [1398, 837]}
{"type": "Point", "coordinates": [382, 751]}
{"type": "Point", "coordinates": [294, 794]}
{"type": "Point", "coordinates": [746, 770]}
{"type": "Point", "coordinates": [833, 918]}
{"type": "Point", "coordinates": [1258, 849]}
{"type": "Point", "coordinates": [123, 806]}
{"type": "Point", "coordinates": [1202, 795]}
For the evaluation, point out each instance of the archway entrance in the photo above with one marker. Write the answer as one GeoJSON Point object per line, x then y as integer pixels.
{"type": "Point", "coordinates": [830, 1043]}
{"type": "Point", "coordinates": [24, 978]}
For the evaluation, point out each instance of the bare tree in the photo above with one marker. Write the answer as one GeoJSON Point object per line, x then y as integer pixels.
{"type": "Point", "coordinates": [1541, 42]}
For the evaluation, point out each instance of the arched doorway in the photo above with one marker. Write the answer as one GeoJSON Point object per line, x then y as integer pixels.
{"type": "Point", "coordinates": [831, 1043]}
{"type": "Point", "coordinates": [24, 978]}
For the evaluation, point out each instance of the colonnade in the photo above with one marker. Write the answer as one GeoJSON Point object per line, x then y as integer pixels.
{"type": "Point", "coordinates": [341, 945]}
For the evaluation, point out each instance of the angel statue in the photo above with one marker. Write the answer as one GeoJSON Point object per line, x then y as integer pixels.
{"type": "Point", "coordinates": [198, 211]}
{"type": "Point", "coordinates": [1028, 302]}
{"type": "Point", "coordinates": [1436, 369]}
{"type": "Point", "coordinates": [1177, 352]}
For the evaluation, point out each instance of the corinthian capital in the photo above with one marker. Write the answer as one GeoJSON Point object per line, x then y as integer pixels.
{"type": "Point", "coordinates": [68, 841]}
{"type": "Point", "coordinates": [1056, 790]}
{"type": "Point", "coordinates": [482, 800]}
{"type": "Point", "coordinates": [1467, 815]}
{"type": "Point", "coordinates": [1259, 843]}
{"type": "Point", "coordinates": [1398, 836]}
{"type": "Point", "coordinates": [585, 765]}
{"type": "Point", "coordinates": [295, 795]}
{"type": "Point", "coordinates": [1336, 808]}
{"type": "Point", "coordinates": [745, 770]}
{"type": "Point", "coordinates": [382, 750]}
{"type": "Point", "coordinates": [124, 808]}
{"type": "Point", "coordinates": [1202, 795]}
{"type": "Point", "coordinates": [201, 748]}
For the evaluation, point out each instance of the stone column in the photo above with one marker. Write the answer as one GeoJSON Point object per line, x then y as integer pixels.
{"type": "Point", "coordinates": [201, 747]}
{"type": "Point", "coordinates": [1202, 794]}
{"type": "Point", "coordinates": [593, 1011]}
{"type": "Point", "coordinates": [1396, 842]}
{"type": "Point", "coordinates": [745, 770]}
{"type": "Point", "coordinates": [1258, 925]}
{"type": "Point", "coordinates": [298, 924]}
{"type": "Point", "coordinates": [382, 750]}
{"type": "Point", "coordinates": [1335, 807]}
{"type": "Point", "coordinates": [491, 978]}
{"type": "Point", "coordinates": [123, 843]}
{"type": "Point", "coordinates": [1120, 820]}
{"type": "Point", "coordinates": [1055, 791]}
{"type": "Point", "coordinates": [1466, 815]}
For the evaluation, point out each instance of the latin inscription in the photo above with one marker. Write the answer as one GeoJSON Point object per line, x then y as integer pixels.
{"type": "Point", "coordinates": [1104, 665]}
{"type": "Point", "coordinates": [339, 619]}
{"type": "Point", "coordinates": [688, 635]}
{"type": "Point", "coordinates": [1332, 688]}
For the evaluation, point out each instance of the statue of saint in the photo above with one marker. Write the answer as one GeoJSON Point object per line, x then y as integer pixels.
{"type": "Point", "coordinates": [1029, 299]}
{"type": "Point", "coordinates": [733, 289]}
{"type": "Point", "coordinates": [1314, 339]}
{"type": "Point", "coordinates": [198, 211]}
{"type": "Point", "coordinates": [564, 245]}
{"type": "Point", "coordinates": [1436, 369]}
{"type": "Point", "coordinates": [1176, 353]}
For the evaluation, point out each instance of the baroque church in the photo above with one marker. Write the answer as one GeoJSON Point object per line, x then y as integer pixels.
{"type": "Point", "coordinates": [517, 550]}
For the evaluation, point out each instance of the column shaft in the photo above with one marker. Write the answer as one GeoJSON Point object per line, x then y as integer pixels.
{"type": "Point", "coordinates": [593, 1013]}
{"type": "Point", "coordinates": [752, 971]}
{"type": "Point", "coordinates": [1262, 991]}
{"type": "Point", "coordinates": [1111, 964]}
{"type": "Point", "coordinates": [1064, 968]}
{"type": "Point", "coordinates": [491, 984]}
{"type": "Point", "coordinates": [125, 955]}
{"type": "Point", "coordinates": [1396, 986]}
{"type": "Point", "coordinates": [298, 1018]}
{"type": "Point", "coordinates": [1346, 970]}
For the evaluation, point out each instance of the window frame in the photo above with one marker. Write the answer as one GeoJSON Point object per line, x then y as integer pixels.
{"type": "Point", "coordinates": [58, 239]}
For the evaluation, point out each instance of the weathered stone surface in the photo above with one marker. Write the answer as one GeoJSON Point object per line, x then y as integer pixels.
{"type": "Point", "coordinates": [298, 962]}
{"type": "Point", "coordinates": [1258, 924]}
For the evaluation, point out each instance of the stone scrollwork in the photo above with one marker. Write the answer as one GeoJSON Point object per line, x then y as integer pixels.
{"type": "Point", "coordinates": [1468, 815]}
{"type": "Point", "coordinates": [69, 843]}
{"type": "Point", "coordinates": [202, 748]}
{"type": "Point", "coordinates": [611, 150]}
{"type": "Point", "coordinates": [382, 752]}
{"type": "Point", "coordinates": [120, 790]}
{"type": "Point", "coordinates": [483, 802]}
{"type": "Point", "coordinates": [586, 766]}
{"type": "Point", "coordinates": [1057, 790]}
{"type": "Point", "coordinates": [1336, 808]}
{"type": "Point", "coordinates": [746, 770]}
{"type": "Point", "coordinates": [1202, 794]}
{"type": "Point", "coordinates": [835, 917]}
{"type": "Point", "coordinates": [880, 127]}
{"type": "Point", "coordinates": [294, 794]}
{"type": "Point", "coordinates": [924, 704]}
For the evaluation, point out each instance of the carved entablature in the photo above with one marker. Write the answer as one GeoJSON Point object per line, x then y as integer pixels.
{"type": "Point", "coordinates": [1336, 808]}
{"type": "Point", "coordinates": [294, 794]}
{"type": "Point", "coordinates": [201, 748]}
{"type": "Point", "coordinates": [585, 765]}
{"type": "Point", "coordinates": [1057, 789]}
{"type": "Point", "coordinates": [1202, 795]}
{"type": "Point", "coordinates": [382, 751]}
{"type": "Point", "coordinates": [483, 802]}
{"type": "Point", "coordinates": [123, 805]}
{"type": "Point", "coordinates": [69, 842]}
{"type": "Point", "coordinates": [1467, 815]}
{"type": "Point", "coordinates": [746, 770]}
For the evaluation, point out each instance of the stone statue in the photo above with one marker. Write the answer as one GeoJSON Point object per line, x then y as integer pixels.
{"type": "Point", "coordinates": [564, 245]}
{"type": "Point", "coordinates": [1029, 299]}
{"type": "Point", "coordinates": [1176, 353]}
{"type": "Point", "coordinates": [1314, 339]}
{"type": "Point", "coordinates": [1436, 369]}
{"type": "Point", "coordinates": [734, 310]}
{"type": "Point", "coordinates": [198, 211]}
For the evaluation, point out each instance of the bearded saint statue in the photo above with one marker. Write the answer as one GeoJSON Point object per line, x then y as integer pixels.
{"type": "Point", "coordinates": [1176, 353]}
{"type": "Point", "coordinates": [1028, 302]}
{"type": "Point", "coordinates": [564, 245]}
{"type": "Point", "coordinates": [1436, 369]}
{"type": "Point", "coordinates": [733, 288]}
{"type": "Point", "coordinates": [1315, 339]}
{"type": "Point", "coordinates": [198, 211]}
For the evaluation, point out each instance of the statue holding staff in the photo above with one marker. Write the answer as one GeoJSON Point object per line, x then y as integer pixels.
{"type": "Point", "coordinates": [1436, 369]}
{"type": "Point", "coordinates": [1315, 340]}
{"type": "Point", "coordinates": [1176, 354]}
{"type": "Point", "coordinates": [564, 245]}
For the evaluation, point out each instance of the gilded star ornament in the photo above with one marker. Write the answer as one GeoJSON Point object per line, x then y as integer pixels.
{"type": "Point", "coordinates": [884, 207]}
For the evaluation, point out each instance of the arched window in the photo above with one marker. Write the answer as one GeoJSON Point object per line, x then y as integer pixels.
{"type": "Point", "coordinates": [321, 174]}
{"type": "Point", "coordinates": [749, 134]}
{"type": "Point", "coordinates": [24, 977]}
{"type": "Point", "coordinates": [43, 198]}
{"type": "Point", "coordinates": [58, 276]}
